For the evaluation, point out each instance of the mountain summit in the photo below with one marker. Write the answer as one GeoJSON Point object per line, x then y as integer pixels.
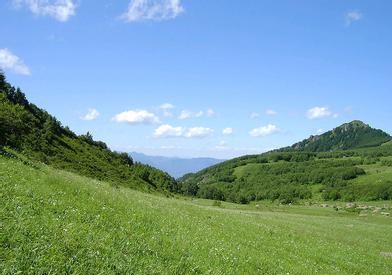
{"type": "Point", "coordinates": [353, 135]}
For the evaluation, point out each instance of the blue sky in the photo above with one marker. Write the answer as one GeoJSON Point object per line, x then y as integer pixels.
{"type": "Point", "coordinates": [199, 77]}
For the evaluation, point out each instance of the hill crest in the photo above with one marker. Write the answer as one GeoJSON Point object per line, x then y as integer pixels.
{"type": "Point", "coordinates": [352, 135]}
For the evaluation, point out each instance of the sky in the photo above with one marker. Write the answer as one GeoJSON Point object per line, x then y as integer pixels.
{"type": "Point", "coordinates": [201, 78]}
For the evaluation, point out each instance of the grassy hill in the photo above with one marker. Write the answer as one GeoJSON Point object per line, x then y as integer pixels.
{"type": "Point", "coordinates": [37, 135]}
{"type": "Point", "coordinates": [296, 173]}
{"type": "Point", "coordinates": [56, 222]}
{"type": "Point", "coordinates": [353, 135]}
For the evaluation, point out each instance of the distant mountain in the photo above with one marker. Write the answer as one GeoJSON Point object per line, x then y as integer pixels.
{"type": "Point", "coordinates": [353, 135]}
{"type": "Point", "coordinates": [176, 167]}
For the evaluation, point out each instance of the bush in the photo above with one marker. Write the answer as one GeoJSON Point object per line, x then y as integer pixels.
{"type": "Point", "coordinates": [217, 203]}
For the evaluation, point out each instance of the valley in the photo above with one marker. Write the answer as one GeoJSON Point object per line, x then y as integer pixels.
{"type": "Point", "coordinates": [58, 222]}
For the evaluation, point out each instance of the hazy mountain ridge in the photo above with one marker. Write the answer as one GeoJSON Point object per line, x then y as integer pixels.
{"type": "Point", "coordinates": [175, 166]}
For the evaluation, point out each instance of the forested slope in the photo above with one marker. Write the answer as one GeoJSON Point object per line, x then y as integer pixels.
{"type": "Point", "coordinates": [317, 167]}
{"type": "Point", "coordinates": [35, 134]}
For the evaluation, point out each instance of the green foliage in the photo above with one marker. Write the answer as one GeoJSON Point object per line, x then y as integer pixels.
{"type": "Point", "coordinates": [285, 178]}
{"type": "Point", "coordinates": [348, 136]}
{"type": "Point", "coordinates": [368, 192]}
{"type": "Point", "coordinates": [288, 176]}
{"type": "Point", "coordinates": [41, 137]}
{"type": "Point", "coordinates": [217, 203]}
{"type": "Point", "coordinates": [387, 162]}
{"type": "Point", "coordinates": [55, 222]}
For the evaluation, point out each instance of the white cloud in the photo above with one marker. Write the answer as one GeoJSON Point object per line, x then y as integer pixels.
{"type": "Point", "coordinates": [227, 131]}
{"type": "Point", "coordinates": [61, 10]}
{"type": "Point", "coordinates": [155, 10]}
{"type": "Point", "coordinates": [264, 131]}
{"type": "Point", "coordinates": [9, 61]}
{"type": "Point", "coordinates": [166, 131]}
{"type": "Point", "coordinates": [136, 117]}
{"type": "Point", "coordinates": [320, 131]}
{"type": "Point", "coordinates": [319, 112]}
{"type": "Point", "coordinates": [198, 132]}
{"type": "Point", "coordinates": [185, 114]}
{"type": "Point", "coordinates": [92, 114]}
{"type": "Point", "coordinates": [254, 115]}
{"type": "Point", "coordinates": [353, 16]}
{"type": "Point", "coordinates": [166, 107]}
{"type": "Point", "coordinates": [271, 112]}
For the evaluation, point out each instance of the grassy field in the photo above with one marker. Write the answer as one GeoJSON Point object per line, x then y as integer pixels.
{"type": "Point", "coordinates": [55, 222]}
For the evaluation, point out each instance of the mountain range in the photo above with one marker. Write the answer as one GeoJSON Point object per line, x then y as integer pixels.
{"type": "Point", "coordinates": [174, 166]}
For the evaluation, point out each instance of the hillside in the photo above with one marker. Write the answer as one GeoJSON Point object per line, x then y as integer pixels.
{"type": "Point", "coordinates": [295, 173]}
{"type": "Point", "coordinates": [56, 222]}
{"type": "Point", "coordinates": [176, 167]}
{"type": "Point", "coordinates": [353, 135]}
{"type": "Point", "coordinates": [38, 136]}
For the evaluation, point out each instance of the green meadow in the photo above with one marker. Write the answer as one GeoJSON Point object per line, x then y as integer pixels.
{"type": "Point", "coordinates": [56, 222]}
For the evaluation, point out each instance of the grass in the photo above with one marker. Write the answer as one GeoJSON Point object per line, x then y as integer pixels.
{"type": "Point", "coordinates": [375, 173]}
{"type": "Point", "coordinates": [55, 222]}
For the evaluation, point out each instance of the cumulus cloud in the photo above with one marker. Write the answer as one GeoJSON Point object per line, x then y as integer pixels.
{"type": "Point", "coordinates": [185, 114]}
{"type": "Point", "coordinates": [198, 132]}
{"type": "Point", "coordinates": [136, 117]}
{"type": "Point", "coordinates": [319, 112]}
{"type": "Point", "coordinates": [155, 10]}
{"type": "Point", "coordinates": [61, 10]}
{"type": "Point", "coordinates": [166, 107]}
{"type": "Point", "coordinates": [91, 114]}
{"type": "Point", "coordinates": [353, 16]}
{"type": "Point", "coordinates": [271, 112]}
{"type": "Point", "coordinates": [227, 131]}
{"type": "Point", "coordinates": [166, 131]}
{"type": "Point", "coordinates": [264, 131]}
{"type": "Point", "coordinates": [9, 61]}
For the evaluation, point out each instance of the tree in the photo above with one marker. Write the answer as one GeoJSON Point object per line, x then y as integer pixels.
{"type": "Point", "coordinates": [49, 129]}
